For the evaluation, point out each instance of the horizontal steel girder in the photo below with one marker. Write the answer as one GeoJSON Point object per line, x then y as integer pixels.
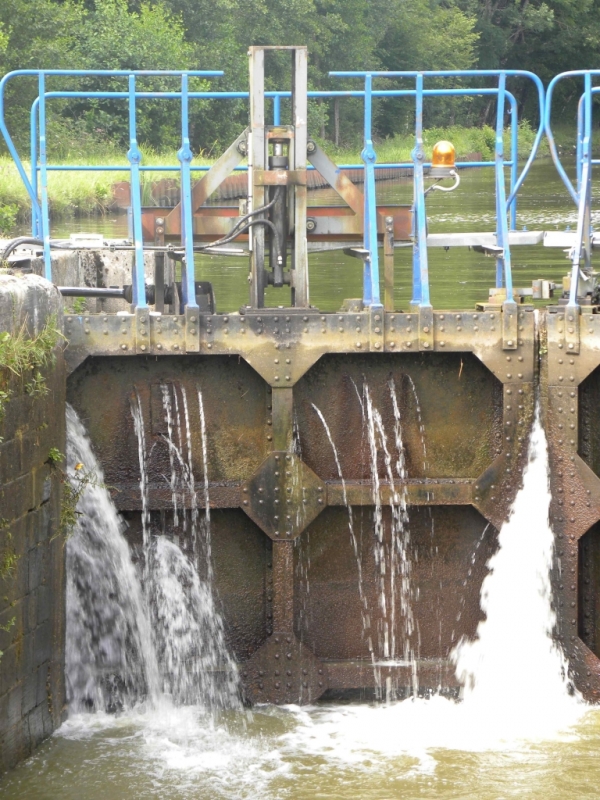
{"type": "Point", "coordinates": [282, 345]}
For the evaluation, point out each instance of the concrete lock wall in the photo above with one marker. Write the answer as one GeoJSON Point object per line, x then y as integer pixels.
{"type": "Point", "coordinates": [32, 553]}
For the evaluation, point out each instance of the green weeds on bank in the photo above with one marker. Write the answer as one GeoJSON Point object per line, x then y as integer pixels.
{"type": "Point", "coordinates": [74, 193]}
{"type": "Point", "coordinates": [22, 357]}
{"type": "Point", "coordinates": [467, 142]}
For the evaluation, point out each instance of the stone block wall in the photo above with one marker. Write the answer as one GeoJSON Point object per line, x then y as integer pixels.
{"type": "Point", "coordinates": [32, 591]}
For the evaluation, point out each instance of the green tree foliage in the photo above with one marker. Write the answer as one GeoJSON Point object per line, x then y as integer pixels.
{"type": "Point", "coordinates": [545, 36]}
{"type": "Point", "coordinates": [114, 38]}
{"type": "Point", "coordinates": [447, 41]}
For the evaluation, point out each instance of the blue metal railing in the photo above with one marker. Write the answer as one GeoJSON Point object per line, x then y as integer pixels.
{"type": "Point", "coordinates": [582, 195]}
{"type": "Point", "coordinates": [36, 183]}
{"type": "Point", "coordinates": [40, 205]}
{"type": "Point", "coordinates": [504, 206]}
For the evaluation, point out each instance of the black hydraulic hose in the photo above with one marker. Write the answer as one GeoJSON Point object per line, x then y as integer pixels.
{"type": "Point", "coordinates": [232, 235]}
{"type": "Point", "coordinates": [239, 227]}
{"type": "Point", "coordinates": [14, 243]}
{"type": "Point", "coordinates": [256, 211]}
{"type": "Point", "coordinates": [56, 244]}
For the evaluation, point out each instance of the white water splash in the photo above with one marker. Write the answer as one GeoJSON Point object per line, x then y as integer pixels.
{"type": "Point", "coordinates": [195, 665]}
{"type": "Point", "coordinates": [110, 659]}
{"type": "Point", "coordinates": [188, 634]}
{"type": "Point", "coordinates": [125, 644]}
{"type": "Point", "coordinates": [514, 668]}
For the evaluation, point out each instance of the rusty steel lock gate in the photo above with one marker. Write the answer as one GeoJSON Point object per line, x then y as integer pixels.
{"type": "Point", "coordinates": [276, 498]}
{"type": "Point", "coordinates": [271, 432]}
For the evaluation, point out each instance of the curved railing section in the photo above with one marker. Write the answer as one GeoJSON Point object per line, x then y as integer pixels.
{"type": "Point", "coordinates": [39, 163]}
{"type": "Point", "coordinates": [581, 194]}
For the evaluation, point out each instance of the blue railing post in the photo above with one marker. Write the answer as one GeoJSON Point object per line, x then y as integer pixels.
{"type": "Point", "coordinates": [579, 145]}
{"type": "Point", "coordinates": [188, 287]}
{"type": "Point", "coordinates": [503, 263]}
{"type": "Point", "coordinates": [583, 241]}
{"type": "Point", "coordinates": [35, 206]}
{"type": "Point", "coordinates": [134, 156]}
{"type": "Point", "coordinates": [36, 222]}
{"type": "Point", "coordinates": [371, 265]}
{"type": "Point", "coordinates": [514, 157]}
{"type": "Point", "coordinates": [420, 259]}
{"type": "Point", "coordinates": [44, 180]}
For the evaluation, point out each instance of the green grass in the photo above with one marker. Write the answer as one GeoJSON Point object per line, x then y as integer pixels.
{"type": "Point", "coordinates": [466, 141]}
{"type": "Point", "coordinates": [87, 193]}
{"type": "Point", "coordinates": [82, 193]}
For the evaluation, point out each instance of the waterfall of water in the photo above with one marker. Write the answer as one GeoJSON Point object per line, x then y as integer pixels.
{"type": "Point", "coordinates": [125, 644]}
{"type": "Point", "coordinates": [366, 621]}
{"type": "Point", "coordinates": [195, 664]}
{"type": "Point", "coordinates": [395, 626]}
{"type": "Point", "coordinates": [514, 667]}
{"type": "Point", "coordinates": [392, 555]}
{"type": "Point", "coordinates": [110, 658]}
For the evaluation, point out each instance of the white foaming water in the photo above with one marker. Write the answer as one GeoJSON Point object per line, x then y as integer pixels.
{"type": "Point", "coordinates": [195, 665]}
{"type": "Point", "coordinates": [124, 645]}
{"type": "Point", "coordinates": [514, 668]}
{"type": "Point", "coordinates": [110, 659]}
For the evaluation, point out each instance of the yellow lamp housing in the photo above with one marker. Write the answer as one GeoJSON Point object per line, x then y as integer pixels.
{"type": "Point", "coordinates": [442, 160]}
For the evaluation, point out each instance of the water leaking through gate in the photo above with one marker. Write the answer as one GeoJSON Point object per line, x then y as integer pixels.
{"type": "Point", "coordinates": [337, 476]}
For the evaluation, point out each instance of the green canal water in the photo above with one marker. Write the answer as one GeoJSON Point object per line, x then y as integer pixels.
{"type": "Point", "coordinates": [459, 277]}
{"type": "Point", "coordinates": [420, 748]}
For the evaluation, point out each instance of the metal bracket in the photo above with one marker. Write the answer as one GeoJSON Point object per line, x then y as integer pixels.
{"type": "Point", "coordinates": [336, 179]}
{"type": "Point", "coordinates": [357, 252]}
{"type": "Point", "coordinates": [377, 321]}
{"type": "Point", "coordinates": [509, 326]}
{"type": "Point", "coordinates": [192, 335]}
{"type": "Point", "coordinates": [284, 670]}
{"type": "Point", "coordinates": [142, 330]}
{"type": "Point", "coordinates": [572, 328]}
{"type": "Point", "coordinates": [426, 341]}
{"type": "Point", "coordinates": [283, 496]}
{"type": "Point", "coordinates": [488, 250]}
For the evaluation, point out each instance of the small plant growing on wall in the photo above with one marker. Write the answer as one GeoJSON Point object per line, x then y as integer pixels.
{"type": "Point", "coordinates": [22, 357]}
{"type": "Point", "coordinates": [73, 486]}
{"type": "Point", "coordinates": [8, 566]}
{"type": "Point", "coordinates": [55, 456]}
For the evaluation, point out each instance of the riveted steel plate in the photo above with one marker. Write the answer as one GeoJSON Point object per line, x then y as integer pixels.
{"type": "Point", "coordinates": [283, 496]}
{"type": "Point", "coordinates": [284, 671]}
{"type": "Point", "coordinates": [448, 549]}
{"type": "Point", "coordinates": [450, 411]}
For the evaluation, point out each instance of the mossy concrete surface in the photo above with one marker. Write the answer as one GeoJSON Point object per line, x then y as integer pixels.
{"type": "Point", "coordinates": [32, 557]}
